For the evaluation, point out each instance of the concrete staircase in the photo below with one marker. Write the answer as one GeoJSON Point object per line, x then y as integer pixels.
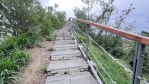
{"type": "Point", "coordinates": [67, 65]}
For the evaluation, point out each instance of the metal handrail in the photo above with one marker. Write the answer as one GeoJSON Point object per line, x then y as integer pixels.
{"type": "Point", "coordinates": [116, 60]}
{"type": "Point", "coordinates": [143, 80]}
{"type": "Point", "coordinates": [98, 63]}
{"type": "Point", "coordinates": [92, 68]}
{"type": "Point", "coordinates": [134, 37]}
{"type": "Point", "coordinates": [140, 48]}
{"type": "Point", "coordinates": [97, 68]}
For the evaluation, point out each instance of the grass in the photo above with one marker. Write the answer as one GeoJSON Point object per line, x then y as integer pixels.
{"type": "Point", "coordinates": [9, 66]}
{"type": "Point", "coordinates": [117, 73]}
{"type": "Point", "coordinates": [39, 44]}
{"type": "Point", "coordinates": [13, 56]}
{"type": "Point", "coordinates": [43, 69]}
{"type": "Point", "coordinates": [50, 49]}
{"type": "Point", "coordinates": [125, 63]}
{"type": "Point", "coordinates": [51, 37]}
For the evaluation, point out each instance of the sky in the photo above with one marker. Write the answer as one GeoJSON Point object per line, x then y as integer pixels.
{"type": "Point", "coordinates": [140, 14]}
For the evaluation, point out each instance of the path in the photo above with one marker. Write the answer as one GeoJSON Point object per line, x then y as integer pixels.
{"type": "Point", "coordinates": [39, 57]}
{"type": "Point", "coordinates": [67, 65]}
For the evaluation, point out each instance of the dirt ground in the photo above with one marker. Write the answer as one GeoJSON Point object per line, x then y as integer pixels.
{"type": "Point", "coordinates": [32, 74]}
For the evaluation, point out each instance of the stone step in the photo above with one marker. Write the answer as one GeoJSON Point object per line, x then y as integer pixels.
{"type": "Point", "coordinates": [64, 42]}
{"type": "Point", "coordinates": [63, 32]}
{"type": "Point", "coordinates": [77, 78]}
{"type": "Point", "coordinates": [64, 38]}
{"type": "Point", "coordinates": [67, 66]}
{"type": "Point", "coordinates": [63, 35]}
{"type": "Point", "coordinates": [65, 47]}
{"type": "Point", "coordinates": [65, 55]}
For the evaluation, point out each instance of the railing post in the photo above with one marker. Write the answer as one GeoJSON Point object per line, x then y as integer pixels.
{"type": "Point", "coordinates": [77, 30]}
{"type": "Point", "coordinates": [138, 63]}
{"type": "Point", "coordinates": [77, 27]}
{"type": "Point", "coordinates": [69, 24]}
{"type": "Point", "coordinates": [87, 40]}
{"type": "Point", "coordinates": [72, 23]}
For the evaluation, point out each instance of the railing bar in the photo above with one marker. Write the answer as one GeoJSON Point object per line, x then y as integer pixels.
{"type": "Point", "coordinates": [102, 67]}
{"type": "Point", "coordinates": [96, 75]}
{"type": "Point", "coordinates": [98, 61]}
{"type": "Point", "coordinates": [89, 55]}
{"type": "Point", "coordinates": [92, 59]}
{"type": "Point", "coordinates": [104, 51]}
{"type": "Point", "coordinates": [94, 72]}
{"type": "Point", "coordinates": [82, 41]}
{"type": "Point", "coordinates": [125, 34]}
{"type": "Point", "coordinates": [116, 60]}
{"type": "Point", "coordinates": [102, 76]}
{"type": "Point", "coordinates": [108, 53]}
{"type": "Point", "coordinates": [126, 69]}
{"type": "Point", "coordinates": [98, 71]}
{"type": "Point", "coordinates": [143, 80]}
{"type": "Point", "coordinates": [113, 58]}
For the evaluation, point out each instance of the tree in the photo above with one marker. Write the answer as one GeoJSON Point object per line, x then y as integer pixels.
{"type": "Point", "coordinates": [111, 42]}
{"type": "Point", "coordinates": [55, 7]}
{"type": "Point", "coordinates": [144, 33]}
{"type": "Point", "coordinates": [61, 16]}
{"type": "Point", "coordinates": [90, 4]}
{"type": "Point", "coordinates": [50, 9]}
{"type": "Point", "coordinates": [23, 16]}
{"type": "Point", "coordinates": [17, 15]}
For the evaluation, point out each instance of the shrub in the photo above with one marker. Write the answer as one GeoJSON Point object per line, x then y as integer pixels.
{"type": "Point", "coordinates": [49, 38]}
{"type": "Point", "coordinates": [12, 58]}
{"type": "Point", "coordinates": [21, 57]}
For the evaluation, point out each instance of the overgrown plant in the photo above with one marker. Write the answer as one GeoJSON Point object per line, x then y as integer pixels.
{"type": "Point", "coordinates": [27, 23]}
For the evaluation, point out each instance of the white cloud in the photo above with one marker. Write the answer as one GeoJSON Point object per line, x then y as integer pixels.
{"type": "Point", "coordinates": [140, 14]}
{"type": "Point", "coordinates": [64, 5]}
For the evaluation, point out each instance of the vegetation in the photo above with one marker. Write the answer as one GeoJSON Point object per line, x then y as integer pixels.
{"type": "Point", "coordinates": [50, 37]}
{"type": "Point", "coordinates": [114, 44]}
{"type": "Point", "coordinates": [116, 72]}
{"type": "Point", "coordinates": [130, 55]}
{"type": "Point", "coordinates": [27, 23]}
{"type": "Point", "coordinates": [43, 69]}
{"type": "Point", "coordinates": [50, 49]}
{"type": "Point", "coordinates": [111, 42]}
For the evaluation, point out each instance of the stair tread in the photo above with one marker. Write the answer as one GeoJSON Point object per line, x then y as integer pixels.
{"type": "Point", "coordinates": [67, 45]}
{"type": "Point", "coordinates": [77, 78]}
{"type": "Point", "coordinates": [66, 64]}
{"type": "Point", "coordinates": [65, 52]}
